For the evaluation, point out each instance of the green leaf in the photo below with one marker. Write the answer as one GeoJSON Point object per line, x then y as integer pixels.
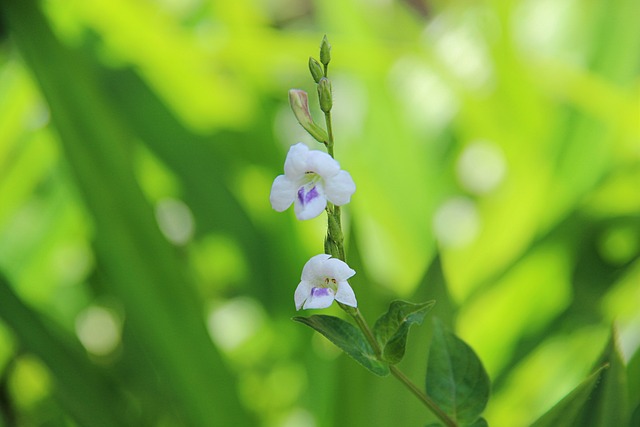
{"type": "Point", "coordinates": [609, 404]}
{"type": "Point", "coordinates": [569, 408]}
{"type": "Point", "coordinates": [392, 328]}
{"type": "Point", "coordinates": [633, 373]}
{"type": "Point", "coordinates": [83, 389]}
{"type": "Point", "coordinates": [599, 401]}
{"type": "Point", "coordinates": [348, 338]}
{"type": "Point", "coordinates": [635, 417]}
{"type": "Point", "coordinates": [480, 422]}
{"type": "Point", "coordinates": [143, 270]}
{"type": "Point", "coordinates": [456, 379]}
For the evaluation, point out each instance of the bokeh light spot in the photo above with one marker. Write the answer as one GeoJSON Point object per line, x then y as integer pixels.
{"type": "Point", "coordinates": [235, 321]}
{"type": "Point", "coordinates": [99, 330]}
{"type": "Point", "coordinates": [175, 220]}
{"type": "Point", "coordinates": [298, 418]}
{"type": "Point", "coordinates": [456, 222]}
{"type": "Point", "coordinates": [72, 262]}
{"type": "Point", "coordinates": [30, 382]}
{"type": "Point", "coordinates": [481, 167]}
{"type": "Point", "coordinates": [618, 245]}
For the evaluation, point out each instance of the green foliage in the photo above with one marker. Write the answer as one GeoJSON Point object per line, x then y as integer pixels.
{"type": "Point", "coordinates": [599, 401]}
{"type": "Point", "coordinates": [348, 338]}
{"type": "Point", "coordinates": [480, 422]}
{"type": "Point", "coordinates": [145, 272]}
{"type": "Point", "coordinates": [456, 379]}
{"type": "Point", "coordinates": [85, 391]}
{"type": "Point", "coordinates": [493, 141]}
{"type": "Point", "coordinates": [610, 401]}
{"type": "Point", "coordinates": [633, 373]}
{"type": "Point", "coordinates": [392, 328]}
{"type": "Point", "coordinates": [568, 410]}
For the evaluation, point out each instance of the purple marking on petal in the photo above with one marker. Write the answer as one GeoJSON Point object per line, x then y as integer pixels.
{"type": "Point", "coordinates": [319, 292]}
{"type": "Point", "coordinates": [311, 195]}
{"type": "Point", "coordinates": [305, 198]}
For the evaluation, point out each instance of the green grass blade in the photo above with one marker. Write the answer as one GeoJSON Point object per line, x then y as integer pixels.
{"type": "Point", "coordinates": [143, 270]}
{"type": "Point", "coordinates": [82, 389]}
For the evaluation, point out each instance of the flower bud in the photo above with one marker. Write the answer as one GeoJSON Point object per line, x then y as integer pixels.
{"type": "Point", "coordinates": [325, 51]}
{"type": "Point", "coordinates": [299, 102]}
{"type": "Point", "coordinates": [316, 69]}
{"type": "Point", "coordinates": [324, 94]}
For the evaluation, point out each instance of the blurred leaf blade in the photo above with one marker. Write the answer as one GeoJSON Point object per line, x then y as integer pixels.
{"type": "Point", "coordinates": [80, 386]}
{"type": "Point", "coordinates": [569, 407]}
{"type": "Point", "coordinates": [599, 401]}
{"type": "Point", "coordinates": [609, 405]}
{"type": "Point", "coordinates": [549, 85]}
{"type": "Point", "coordinates": [633, 373]}
{"type": "Point", "coordinates": [145, 273]}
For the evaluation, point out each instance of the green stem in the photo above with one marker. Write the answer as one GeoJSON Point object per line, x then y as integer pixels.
{"type": "Point", "coordinates": [426, 400]}
{"type": "Point", "coordinates": [362, 324]}
{"type": "Point", "coordinates": [327, 119]}
{"type": "Point", "coordinates": [334, 245]}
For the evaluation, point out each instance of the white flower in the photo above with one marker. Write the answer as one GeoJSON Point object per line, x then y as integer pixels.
{"type": "Point", "coordinates": [311, 177]}
{"type": "Point", "coordinates": [323, 280]}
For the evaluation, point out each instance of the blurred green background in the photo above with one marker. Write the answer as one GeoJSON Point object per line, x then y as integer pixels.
{"type": "Point", "coordinates": [145, 279]}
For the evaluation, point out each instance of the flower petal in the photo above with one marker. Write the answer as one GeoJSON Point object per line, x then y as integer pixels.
{"type": "Point", "coordinates": [319, 298]}
{"type": "Point", "coordinates": [302, 293]}
{"type": "Point", "coordinates": [345, 294]}
{"type": "Point", "coordinates": [309, 201]}
{"type": "Point", "coordinates": [283, 193]}
{"type": "Point", "coordinates": [295, 165]}
{"type": "Point", "coordinates": [322, 164]}
{"type": "Point", "coordinates": [337, 269]}
{"type": "Point", "coordinates": [339, 188]}
{"type": "Point", "coordinates": [313, 269]}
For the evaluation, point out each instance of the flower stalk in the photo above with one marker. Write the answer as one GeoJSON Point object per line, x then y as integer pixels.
{"type": "Point", "coordinates": [334, 244]}
{"type": "Point", "coordinates": [313, 182]}
{"type": "Point", "coordinates": [354, 312]}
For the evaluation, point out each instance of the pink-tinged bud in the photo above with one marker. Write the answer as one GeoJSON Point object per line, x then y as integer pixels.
{"type": "Point", "coordinates": [299, 102]}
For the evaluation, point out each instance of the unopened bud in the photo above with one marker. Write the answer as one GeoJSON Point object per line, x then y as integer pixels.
{"type": "Point", "coordinates": [299, 102]}
{"type": "Point", "coordinates": [324, 94]}
{"type": "Point", "coordinates": [316, 69]}
{"type": "Point", "coordinates": [325, 51]}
